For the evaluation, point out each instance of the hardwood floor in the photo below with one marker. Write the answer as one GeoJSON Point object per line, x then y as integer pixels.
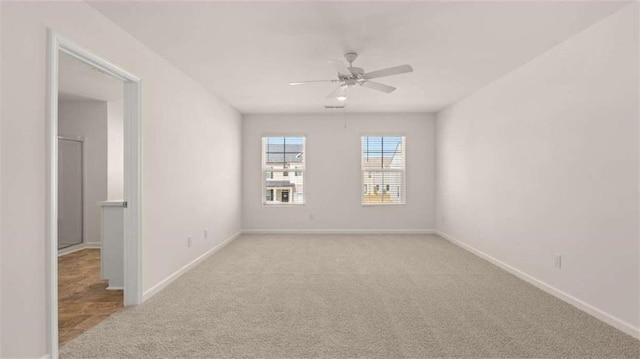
{"type": "Point", "coordinates": [83, 300]}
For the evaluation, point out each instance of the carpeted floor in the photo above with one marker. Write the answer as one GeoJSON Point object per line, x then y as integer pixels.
{"type": "Point", "coordinates": [364, 296]}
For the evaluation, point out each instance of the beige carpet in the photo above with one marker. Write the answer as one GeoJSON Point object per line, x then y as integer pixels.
{"type": "Point", "coordinates": [364, 296]}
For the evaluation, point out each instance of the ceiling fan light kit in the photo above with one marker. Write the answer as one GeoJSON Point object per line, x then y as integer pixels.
{"type": "Point", "coordinates": [350, 76]}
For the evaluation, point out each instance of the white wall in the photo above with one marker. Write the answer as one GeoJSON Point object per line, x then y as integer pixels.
{"type": "Point", "coordinates": [545, 160]}
{"type": "Point", "coordinates": [191, 149]}
{"type": "Point", "coordinates": [332, 184]}
{"type": "Point", "coordinates": [115, 154]}
{"type": "Point", "coordinates": [1, 217]}
{"type": "Point", "coordinates": [88, 119]}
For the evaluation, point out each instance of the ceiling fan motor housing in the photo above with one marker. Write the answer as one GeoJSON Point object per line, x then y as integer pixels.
{"type": "Point", "coordinates": [357, 71]}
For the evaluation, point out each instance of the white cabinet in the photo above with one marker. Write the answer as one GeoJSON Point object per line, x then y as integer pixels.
{"type": "Point", "coordinates": [112, 255]}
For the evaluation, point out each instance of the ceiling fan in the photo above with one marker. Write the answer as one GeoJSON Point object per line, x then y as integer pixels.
{"type": "Point", "coordinates": [349, 76]}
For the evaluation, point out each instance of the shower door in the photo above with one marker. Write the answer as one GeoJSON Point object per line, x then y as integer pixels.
{"type": "Point", "coordinates": [70, 196]}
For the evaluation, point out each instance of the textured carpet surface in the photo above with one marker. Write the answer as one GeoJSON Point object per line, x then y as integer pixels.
{"type": "Point", "coordinates": [360, 296]}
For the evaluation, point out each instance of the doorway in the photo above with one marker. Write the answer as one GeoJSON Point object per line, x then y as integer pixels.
{"type": "Point", "coordinates": [73, 167]}
{"type": "Point", "coordinates": [90, 160]}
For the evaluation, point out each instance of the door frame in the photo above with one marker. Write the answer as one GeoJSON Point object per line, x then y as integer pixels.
{"type": "Point", "coordinates": [132, 124]}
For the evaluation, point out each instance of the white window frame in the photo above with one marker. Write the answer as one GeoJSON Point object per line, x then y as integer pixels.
{"type": "Point", "coordinates": [264, 170]}
{"type": "Point", "coordinates": [403, 170]}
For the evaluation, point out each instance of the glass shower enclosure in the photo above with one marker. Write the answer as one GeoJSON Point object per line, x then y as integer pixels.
{"type": "Point", "coordinates": [70, 191]}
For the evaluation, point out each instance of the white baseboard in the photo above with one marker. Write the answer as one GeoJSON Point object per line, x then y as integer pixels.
{"type": "Point", "coordinates": [78, 247]}
{"type": "Point", "coordinates": [165, 282]}
{"type": "Point", "coordinates": [585, 307]}
{"type": "Point", "coordinates": [339, 231]}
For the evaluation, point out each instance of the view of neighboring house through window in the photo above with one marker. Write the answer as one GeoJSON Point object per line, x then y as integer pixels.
{"type": "Point", "coordinates": [283, 168]}
{"type": "Point", "coordinates": [383, 170]}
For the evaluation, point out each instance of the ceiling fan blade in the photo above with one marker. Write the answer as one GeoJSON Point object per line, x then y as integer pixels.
{"type": "Point", "coordinates": [388, 72]}
{"type": "Point", "coordinates": [339, 91]}
{"type": "Point", "coordinates": [309, 82]}
{"type": "Point", "coordinates": [378, 86]}
{"type": "Point", "coordinates": [340, 67]}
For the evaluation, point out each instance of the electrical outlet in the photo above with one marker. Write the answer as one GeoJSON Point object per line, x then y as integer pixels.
{"type": "Point", "coordinates": [311, 217]}
{"type": "Point", "coordinates": [557, 260]}
{"type": "Point", "coordinates": [206, 233]}
{"type": "Point", "coordinates": [189, 241]}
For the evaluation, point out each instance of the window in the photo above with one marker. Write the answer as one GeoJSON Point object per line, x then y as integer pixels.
{"type": "Point", "coordinates": [383, 170]}
{"type": "Point", "coordinates": [280, 156]}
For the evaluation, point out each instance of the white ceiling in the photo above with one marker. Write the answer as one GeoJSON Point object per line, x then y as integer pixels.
{"type": "Point", "coordinates": [77, 81]}
{"type": "Point", "coordinates": [247, 52]}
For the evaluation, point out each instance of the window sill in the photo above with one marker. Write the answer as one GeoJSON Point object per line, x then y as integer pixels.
{"type": "Point", "coordinates": [282, 204]}
{"type": "Point", "coordinates": [383, 204]}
